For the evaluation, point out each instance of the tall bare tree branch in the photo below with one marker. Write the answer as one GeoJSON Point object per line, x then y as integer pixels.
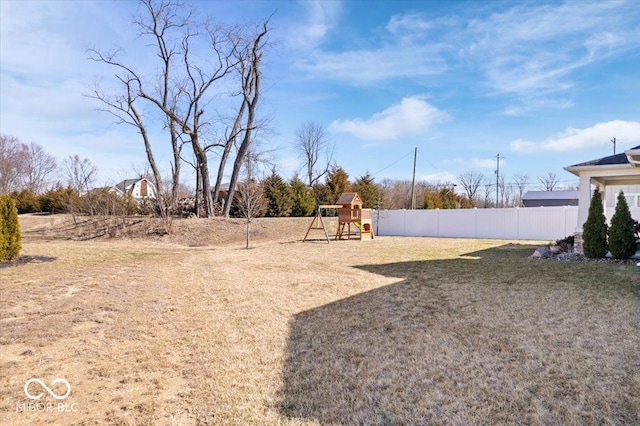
{"type": "Point", "coordinates": [249, 69]}
{"type": "Point", "coordinates": [314, 149]}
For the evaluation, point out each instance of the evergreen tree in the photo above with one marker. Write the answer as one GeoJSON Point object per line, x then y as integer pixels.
{"type": "Point", "coordinates": [449, 198]}
{"type": "Point", "coordinates": [594, 231]}
{"type": "Point", "coordinates": [278, 195]}
{"type": "Point", "coordinates": [10, 243]}
{"type": "Point", "coordinates": [338, 183]}
{"type": "Point", "coordinates": [4, 213]}
{"type": "Point", "coordinates": [432, 200]}
{"type": "Point", "coordinates": [58, 200]}
{"type": "Point", "coordinates": [304, 202]}
{"type": "Point", "coordinates": [323, 195]}
{"type": "Point", "coordinates": [26, 201]}
{"type": "Point", "coordinates": [369, 191]}
{"type": "Point", "coordinates": [622, 239]}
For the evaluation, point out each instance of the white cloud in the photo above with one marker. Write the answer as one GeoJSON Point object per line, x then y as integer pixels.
{"type": "Point", "coordinates": [532, 51]}
{"type": "Point", "coordinates": [480, 163]}
{"type": "Point", "coordinates": [49, 40]}
{"type": "Point", "coordinates": [408, 22]}
{"type": "Point", "coordinates": [439, 177]}
{"type": "Point", "coordinates": [321, 16]}
{"type": "Point", "coordinates": [526, 51]}
{"type": "Point", "coordinates": [486, 163]}
{"type": "Point", "coordinates": [627, 132]}
{"type": "Point", "coordinates": [410, 117]}
{"type": "Point", "coordinates": [365, 66]}
{"type": "Point", "coordinates": [403, 49]}
{"type": "Point", "coordinates": [528, 104]}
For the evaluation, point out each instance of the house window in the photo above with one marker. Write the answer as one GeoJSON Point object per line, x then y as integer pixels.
{"type": "Point", "coordinates": [633, 200]}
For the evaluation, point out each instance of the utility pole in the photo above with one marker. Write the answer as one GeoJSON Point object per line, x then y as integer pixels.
{"type": "Point", "coordinates": [497, 177]}
{"type": "Point", "coordinates": [613, 141]}
{"type": "Point", "coordinates": [413, 180]}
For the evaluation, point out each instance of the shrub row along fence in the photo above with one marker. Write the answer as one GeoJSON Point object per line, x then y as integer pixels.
{"type": "Point", "coordinates": [530, 223]}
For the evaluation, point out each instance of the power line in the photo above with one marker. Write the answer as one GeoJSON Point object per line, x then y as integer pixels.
{"type": "Point", "coordinates": [393, 164]}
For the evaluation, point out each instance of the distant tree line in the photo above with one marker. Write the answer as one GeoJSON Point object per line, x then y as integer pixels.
{"type": "Point", "coordinates": [488, 192]}
{"type": "Point", "coordinates": [37, 182]}
{"type": "Point", "coordinates": [295, 198]}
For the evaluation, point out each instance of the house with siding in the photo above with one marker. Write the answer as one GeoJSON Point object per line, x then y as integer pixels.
{"type": "Point", "coordinates": [139, 188]}
{"type": "Point", "coordinates": [611, 174]}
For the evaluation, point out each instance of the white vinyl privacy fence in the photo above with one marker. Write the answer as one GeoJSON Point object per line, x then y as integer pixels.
{"type": "Point", "coordinates": [529, 223]}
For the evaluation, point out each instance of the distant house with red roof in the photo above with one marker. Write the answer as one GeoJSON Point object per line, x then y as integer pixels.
{"type": "Point", "coordinates": [140, 188]}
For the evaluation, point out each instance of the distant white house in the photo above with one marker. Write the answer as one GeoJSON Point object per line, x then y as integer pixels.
{"type": "Point", "coordinates": [611, 174]}
{"type": "Point", "coordinates": [140, 188]}
{"type": "Point", "coordinates": [550, 198]}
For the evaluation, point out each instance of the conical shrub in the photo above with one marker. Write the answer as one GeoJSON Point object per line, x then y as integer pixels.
{"type": "Point", "coordinates": [10, 243]}
{"type": "Point", "coordinates": [594, 230]}
{"type": "Point", "coordinates": [622, 239]}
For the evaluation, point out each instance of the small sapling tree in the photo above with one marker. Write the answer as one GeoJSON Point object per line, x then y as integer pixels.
{"type": "Point", "coordinates": [250, 201]}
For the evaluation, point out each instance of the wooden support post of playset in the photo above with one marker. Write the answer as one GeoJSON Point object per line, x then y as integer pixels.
{"type": "Point", "coordinates": [318, 223]}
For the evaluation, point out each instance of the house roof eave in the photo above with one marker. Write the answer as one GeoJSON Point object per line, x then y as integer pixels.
{"type": "Point", "coordinates": [633, 156]}
{"type": "Point", "coordinates": [577, 169]}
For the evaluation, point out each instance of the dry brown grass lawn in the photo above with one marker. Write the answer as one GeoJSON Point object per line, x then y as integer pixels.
{"type": "Point", "coordinates": [389, 331]}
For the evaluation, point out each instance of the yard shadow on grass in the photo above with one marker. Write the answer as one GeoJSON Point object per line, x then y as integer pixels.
{"type": "Point", "coordinates": [28, 259]}
{"type": "Point", "coordinates": [358, 360]}
{"type": "Point", "coordinates": [427, 350]}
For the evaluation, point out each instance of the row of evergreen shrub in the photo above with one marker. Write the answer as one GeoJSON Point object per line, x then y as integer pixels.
{"type": "Point", "coordinates": [619, 239]}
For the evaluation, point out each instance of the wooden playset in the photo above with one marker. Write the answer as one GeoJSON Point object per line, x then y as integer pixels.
{"type": "Point", "coordinates": [350, 211]}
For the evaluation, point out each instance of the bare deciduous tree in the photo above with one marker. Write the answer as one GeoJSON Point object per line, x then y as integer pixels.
{"type": "Point", "coordinates": [471, 182]}
{"type": "Point", "coordinates": [24, 166]}
{"type": "Point", "coordinates": [248, 66]}
{"type": "Point", "coordinates": [250, 199]}
{"type": "Point", "coordinates": [521, 182]}
{"type": "Point", "coordinates": [506, 193]}
{"type": "Point", "coordinates": [487, 192]}
{"type": "Point", "coordinates": [39, 168]}
{"type": "Point", "coordinates": [13, 161]}
{"type": "Point", "coordinates": [548, 181]}
{"type": "Point", "coordinates": [80, 176]}
{"type": "Point", "coordinates": [187, 81]}
{"type": "Point", "coordinates": [80, 173]}
{"type": "Point", "coordinates": [397, 193]}
{"type": "Point", "coordinates": [314, 149]}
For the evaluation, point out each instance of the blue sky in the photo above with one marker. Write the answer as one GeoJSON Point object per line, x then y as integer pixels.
{"type": "Point", "coordinates": [545, 84]}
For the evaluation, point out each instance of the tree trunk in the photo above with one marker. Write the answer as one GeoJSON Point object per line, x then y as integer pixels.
{"type": "Point", "coordinates": [248, 230]}
{"type": "Point", "coordinates": [251, 90]}
{"type": "Point", "coordinates": [227, 150]}
{"type": "Point", "coordinates": [203, 171]}
{"type": "Point", "coordinates": [175, 169]}
{"type": "Point", "coordinates": [198, 190]}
